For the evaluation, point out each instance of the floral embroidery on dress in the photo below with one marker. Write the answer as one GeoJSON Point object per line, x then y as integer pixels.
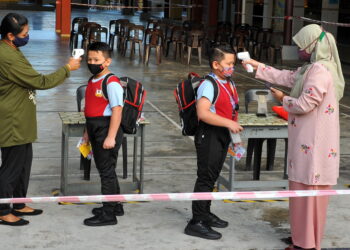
{"type": "Point", "coordinates": [290, 103]}
{"type": "Point", "coordinates": [317, 178]}
{"type": "Point", "coordinates": [32, 96]}
{"type": "Point", "coordinates": [305, 148]}
{"type": "Point", "coordinates": [332, 153]}
{"type": "Point", "coordinates": [292, 122]}
{"type": "Point", "coordinates": [329, 109]}
{"type": "Point", "coordinates": [309, 91]}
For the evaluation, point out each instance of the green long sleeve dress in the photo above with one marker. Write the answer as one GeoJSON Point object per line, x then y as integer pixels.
{"type": "Point", "coordinates": [18, 82]}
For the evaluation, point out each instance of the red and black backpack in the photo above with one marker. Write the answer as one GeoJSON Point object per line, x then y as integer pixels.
{"type": "Point", "coordinates": [134, 98]}
{"type": "Point", "coordinates": [186, 95]}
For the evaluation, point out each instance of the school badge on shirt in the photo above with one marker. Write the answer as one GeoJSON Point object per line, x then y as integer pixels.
{"type": "Point", "coordinates": [98, 93]}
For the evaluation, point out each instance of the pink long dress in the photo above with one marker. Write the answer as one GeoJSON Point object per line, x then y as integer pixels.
{"type": "Point", "coordinates": [313, 147]}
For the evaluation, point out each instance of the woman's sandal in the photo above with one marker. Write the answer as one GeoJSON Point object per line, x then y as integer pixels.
{"type": "Point", "coordinates": [19, 213]}
{"type": "Point", "coordinates": [20, 222]}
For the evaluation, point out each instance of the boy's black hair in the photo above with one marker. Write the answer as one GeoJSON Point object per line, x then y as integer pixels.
{"type": "Point", "coordinates": [218, 53]}
{"type": "Point", "coordinates": [12, 23]}
{"type": "Point", "coordinates": [100, 46]}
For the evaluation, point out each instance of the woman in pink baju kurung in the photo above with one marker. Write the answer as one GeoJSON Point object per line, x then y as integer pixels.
{"type": "Point", "coordinates": [313, 132]}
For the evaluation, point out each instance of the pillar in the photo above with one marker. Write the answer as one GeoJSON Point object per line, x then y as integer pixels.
{"type": "Point", "coordinates": [268, 8]}
{"type": "Point", "coordinates": [298, 11]}
{"type": "Point", "coordinates": [330, 12]}
{"type": "Point", "coordinates": [58, 15]}
{"type": "Point", "coordinates": [288, 23]}
{"type": "Point", "coordinates": [65, 18]}
{"type": "Point", "coordinates": [249, 7]}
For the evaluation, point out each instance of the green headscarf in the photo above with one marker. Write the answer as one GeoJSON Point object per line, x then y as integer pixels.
{"type": "Point", "coordinates": [324, 50]}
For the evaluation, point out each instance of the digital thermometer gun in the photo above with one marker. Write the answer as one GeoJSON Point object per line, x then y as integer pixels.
{"type": "Point", "coordinates": [245, 56]}
{"type": "Point", "coordinates": [77, 53]}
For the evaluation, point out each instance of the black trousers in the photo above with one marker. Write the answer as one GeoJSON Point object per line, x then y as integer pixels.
{"type": "Point", "coordinates": [105, 159]}
{"type": "Point", "coordinates": [14, 174]}
{"type": "Point", "coordinates": [211, 145]}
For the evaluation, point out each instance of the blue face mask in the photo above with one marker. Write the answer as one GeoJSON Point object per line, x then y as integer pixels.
{"type": "Point", "coordinates": [19, 42]}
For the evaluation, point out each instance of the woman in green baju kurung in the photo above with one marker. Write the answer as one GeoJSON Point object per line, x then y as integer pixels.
{"type": "Point", "coordinates": [18, 128]}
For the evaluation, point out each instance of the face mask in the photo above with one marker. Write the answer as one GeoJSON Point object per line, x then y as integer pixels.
{"type": "Point", "coordinates": [95, 69]}
{"type": "Point", "coordinates": [304, 56]}
{"type": "Point", "coordinates": [227, 72]}
{"type": "Point", "coordinates": [19, 42]}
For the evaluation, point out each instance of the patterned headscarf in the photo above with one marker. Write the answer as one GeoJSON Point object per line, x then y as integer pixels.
{"type": "Point", "coordinates": [323, 49]}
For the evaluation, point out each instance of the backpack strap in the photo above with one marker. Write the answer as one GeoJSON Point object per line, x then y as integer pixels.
{"type": "Point", "coordinates": [216, 88]}
{"type": "Point", "coordinates": [104, 85]}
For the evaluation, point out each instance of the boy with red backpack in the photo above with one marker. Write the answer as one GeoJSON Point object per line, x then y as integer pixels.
{"type": "Point", "coordinates": [103, 118]}
{"type": "Point", "coordinates": [217, 117]}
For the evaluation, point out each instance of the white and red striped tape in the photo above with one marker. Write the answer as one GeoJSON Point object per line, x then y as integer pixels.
{"type": "Point", "coordinates": [179, 196]}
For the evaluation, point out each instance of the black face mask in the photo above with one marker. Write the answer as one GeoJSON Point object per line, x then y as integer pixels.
{"type": "Point", "coordinates": [95, 69]}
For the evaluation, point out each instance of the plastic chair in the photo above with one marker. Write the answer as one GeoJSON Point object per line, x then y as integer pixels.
{"type": "Point", "coordinates": [127, 29]}
{"type": "Point", "coordinates": [177, 39]}
{"type": "Point", "coordinates": [276, 47]}
{"type": "Point", "coordinates": [85, 164]}
{"type": "Point", "coordinates": [114, 30]}
{"type": "Point", "coordinates": [240, 40]}
{"type": "Point", "coordinates": [192, 25]}
{"type": "Point", "coordinates": [86, 29]}
{"type": "Point", "coordinates": [255, 144]}
{"type": "Point", "coordinates": [264, 42]}
{"type": "Point", "coordinates": [167, 35]}
{"type": "Point", "coordinates": [123, 32]}
{"type": "Point", "coordinates": [136, 35]}
{"type": "Point", "coordinates": [76, 30]}
{"type": "Point", "coordinates": [253, 40]}
{"type": "Point", "coordinates": [194, 40]}
{"type": "Point", "coordinates": [152, 24]}
{"type": "Point", "coordinates": [97, 33]}
{"type": "Point", "coordinates": [153, 39]}
{"type": "Point", "coordinates": [223, 33]}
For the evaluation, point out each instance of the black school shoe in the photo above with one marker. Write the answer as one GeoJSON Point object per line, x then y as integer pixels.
{"type": "Point", "coordinates": [19, 213]}
{"type": "Point", "coordinates": [20, 222]}
{"type": "Point", "coordinates": [215, 221]}
{"type": "Point", "coordinates": [101, 220]}
{"type": "Point", "coordinates": [118, 210]}
{"type": "Point", "coordinates": [202, 230]}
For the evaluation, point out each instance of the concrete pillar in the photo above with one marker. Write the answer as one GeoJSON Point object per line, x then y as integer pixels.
{"type": "Point", "coordinates": [66, 18]}
{"type": "Point", "coordinates": [63, 17]}
{"type": "Point", "coordinates": [288, 23]}
{"type": "Point", "coordinates": [330, 12]}
{"type": "Point", "coordinates": [298, 11]}
{"type": "Point", "coordinates": [58, 15]}
{"type": "Point", "coordinates": [268, 8]}
{"type": "Point", "coordinates": [249, 7]}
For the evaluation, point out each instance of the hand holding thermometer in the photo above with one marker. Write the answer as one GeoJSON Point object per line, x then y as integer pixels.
{"type": "Point", "coordinates": [77, 53]}
{"type": "Point", "coordinates": [245, 56]}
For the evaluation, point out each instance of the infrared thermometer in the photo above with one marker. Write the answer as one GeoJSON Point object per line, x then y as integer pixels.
{"type": "Point", "coordinates": [245, 56]}
{"type": "Point", "coordinates": [77, 53]}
